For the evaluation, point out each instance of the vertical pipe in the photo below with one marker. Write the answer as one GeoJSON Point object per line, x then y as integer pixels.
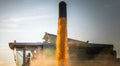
{"type": "Point", "coordinates": [24, 56]}
{"type": "Point", "coordinates": [61, 42]}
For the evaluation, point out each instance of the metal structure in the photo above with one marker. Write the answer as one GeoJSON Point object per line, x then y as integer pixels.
{"type": "Point", "coordinates": [23, 52]}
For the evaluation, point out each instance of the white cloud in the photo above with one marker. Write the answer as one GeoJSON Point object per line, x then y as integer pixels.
{"type": "Point", "coordinates": [12, 24]}
{"type": "Point", "coordinates": [24, 18]}
{"type": "Point", "coordinates": [8, 25]}
{"type": "Point", "coordinates": [11, 30]}
{"type": "Point", "coordinates": [19, 30]}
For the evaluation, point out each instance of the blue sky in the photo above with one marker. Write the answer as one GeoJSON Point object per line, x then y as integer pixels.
{"type": "Point", "coordinates": [28, 20]}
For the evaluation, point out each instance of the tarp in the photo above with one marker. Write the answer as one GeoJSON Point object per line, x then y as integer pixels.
{"type": "Point", "coordinates": [18, 55]}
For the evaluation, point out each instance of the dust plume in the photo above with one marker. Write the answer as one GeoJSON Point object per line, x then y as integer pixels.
{"type": "Point", "coordinates": [44, 58]}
